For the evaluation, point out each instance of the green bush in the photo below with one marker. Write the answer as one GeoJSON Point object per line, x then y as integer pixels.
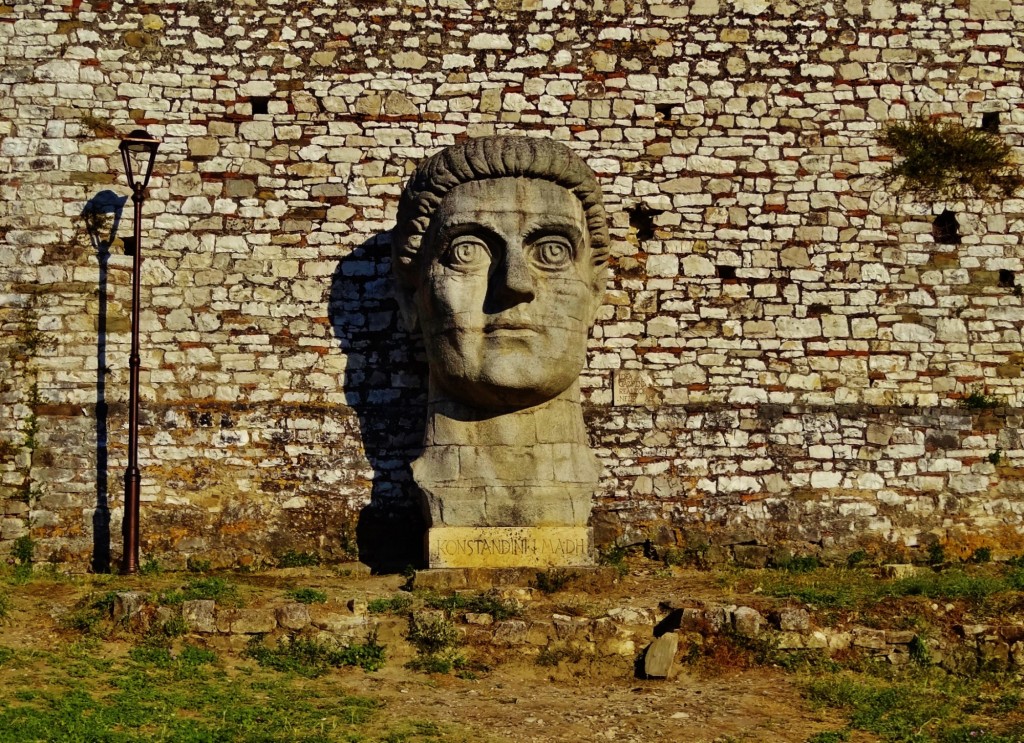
{"type": "Point", "coordinates": [486, 603]}
{"type": "Point", "coordinates": [213, 589]}
{"type": "Point", "coordinates": [980, 400]}
{"type": "Point", "coordinates": [394, 605]}
{"type": "Point", "coordinates": [310, 658]}
{"type": "Point", "coordinates": [553, 580]}
{"type": "Point", "coordinates": [432, 632]}
{"type": "Point", "coordinates": [944, 159]}
{"type": "Point", "coordinates": [307, 596]}
{"type": "Point", "coordinates": [293, 559]}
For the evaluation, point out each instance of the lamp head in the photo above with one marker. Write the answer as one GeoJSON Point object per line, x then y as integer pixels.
{"type": "Point", "coordinates": [138, 151]}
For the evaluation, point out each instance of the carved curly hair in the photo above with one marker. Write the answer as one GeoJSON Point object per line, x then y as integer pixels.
{"type": "Point", "coordinates": [492, 157]}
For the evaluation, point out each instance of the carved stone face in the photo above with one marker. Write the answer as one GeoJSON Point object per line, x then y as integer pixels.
{"type": "Point", "coordinates": [508, 292]}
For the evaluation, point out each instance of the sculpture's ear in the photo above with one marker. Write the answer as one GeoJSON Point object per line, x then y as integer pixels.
{"type": "Point", "coordinates": [405, 294]}
{"type": "Point", "coordinates": [597, 290]}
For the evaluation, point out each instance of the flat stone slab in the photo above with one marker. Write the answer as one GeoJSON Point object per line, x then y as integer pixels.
{"type": "Point", "coordinates": [577, 578]}
{"type": "Point", "coordinates": [509, 546]}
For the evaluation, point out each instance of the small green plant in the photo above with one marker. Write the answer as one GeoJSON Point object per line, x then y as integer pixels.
{"type": "Point", "coordinates": [443, 662]}
{"type": "Point", "coordinates": [555, 654]}
{"type": "Point", "coordinates": [919, 652]}
{"type": "Point", "coordinates": [307, 596]}
{"type": "Point", "coordinates": [310, 657]}
{"type": "Point", "coordinates": [857, 558]}
{"type": "Point", "coordinates": [293, 559]}
{"type": "Point", "coordinates": [981, 556]}
{"type": "Point", "coordinates": [833, 736]}
{"type": "Point", "coordinates": [615, 557]}
{"type": "Point", "coordinates": [978, 399]}
{"type": "Point", "coordinates": [394, 605]}
{"type": "Point", "coordinates": [799, 564]}
{"type": "Point", "coordinates": [23, 550]}
{"type": "Point", "coordinates": [486, 603]}
{"type": "Point", "coordinates": [553, 580]}
{"type": "Point", "coordinates": [213, 589]}
{"type": "Point", "coordinates": [195, 565]}
{"type": "Point", "coordinates": [994, 458]}
{"type": "Point", "coordinates": [432, 632]}
{"type": "Point", "coordinates": [936, 553]}
{"type": "Point", "coordinates": [943, 159]}
{"type": "Point", "coordinates": [150, 566]}
{"type": "Point", "coordinates": [88, 614]}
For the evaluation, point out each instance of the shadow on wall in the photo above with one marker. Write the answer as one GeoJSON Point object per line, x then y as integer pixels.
{"type": "Point", "coordinates": [385, 384]}
{"type": "Point", "coordinates": [101, 217]}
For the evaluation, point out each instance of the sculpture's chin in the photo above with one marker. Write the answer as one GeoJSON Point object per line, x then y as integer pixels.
{"type": "Point", "coordinates": [502, 393]}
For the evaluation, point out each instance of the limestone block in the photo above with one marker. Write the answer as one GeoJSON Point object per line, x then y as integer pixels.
{"type": "Point", "coordinates": [199, 615]}
{"type": "Point", "coordinates": [252, 622]}
{"type": "Point", "coordinates": [409, 60]}
{"type": "Point", "coordinates": [793, 620]}
{"type": "Point", "coordinates": [256, 130]}
{"type": "Point", "coordinates": [489, 41]}
{"type": "Point", "coordinates": [991, 10]}
{"type": "Point", "coordinates": [747, 621]}
{"type": "Point", "coordinates": [293, 616]}
{"type": "Point", "coordinates": [659, 660]}
{"type": "Point", "coordinates": [397, 104]}
{"type": "Point", "coordinates": [128, 604]}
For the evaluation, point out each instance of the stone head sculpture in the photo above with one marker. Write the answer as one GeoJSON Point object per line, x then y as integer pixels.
{"type": "Point", "coordinates": [500, 255]}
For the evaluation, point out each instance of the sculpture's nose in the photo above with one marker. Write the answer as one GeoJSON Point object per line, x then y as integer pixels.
{"type": "Point", "coordinates": [512, 282]}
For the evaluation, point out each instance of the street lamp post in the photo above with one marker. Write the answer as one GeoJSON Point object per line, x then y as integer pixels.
{"type": "Point", "coordinates": [138, 150]}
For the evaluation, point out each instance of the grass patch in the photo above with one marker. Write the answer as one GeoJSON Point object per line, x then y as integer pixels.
{"type": "Point", "coordinates": [844, 588]}
{"type": "Point", "coordinates": [186, 699]}
{"type": "Point", "coordinates": [921, 706]}
{"type": "Point", "coordinates": [555, 654]}
{"type": "Point", "coordinates": [293, 559]}
{"type": "Point", "coordinates": [307, 596]}
{"type": "Point", "coordinates": [212, 589]}
{"type": "Point", "coordinates": [88, 615]}
{"type": "Point", "coordinates": [553, 580]}
{"type": "Point", "coordinates": [394, 605]}
{"type": "Point", "coordinates": [478, 603]}
{"type": "Point", "coordinates": [311, 658]}
{"type": "Point", "coordinates": [5, 605]}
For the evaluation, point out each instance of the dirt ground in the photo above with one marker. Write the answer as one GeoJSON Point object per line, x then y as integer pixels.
{"type": "Point", "coordinates": [516, 700]}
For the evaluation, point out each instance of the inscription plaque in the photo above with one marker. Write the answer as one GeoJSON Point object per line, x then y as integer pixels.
{"type": "Point", "coordinates": [502, 546]}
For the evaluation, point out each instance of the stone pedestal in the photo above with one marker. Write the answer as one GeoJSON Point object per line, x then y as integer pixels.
{"type": "Point", "coordinates": [509, 546]}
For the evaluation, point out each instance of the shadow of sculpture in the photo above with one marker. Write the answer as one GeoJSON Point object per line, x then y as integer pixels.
{"type": "Point", "coordinates": [102, 216]}
{"type": "Point", "coordinates": [385, 385]}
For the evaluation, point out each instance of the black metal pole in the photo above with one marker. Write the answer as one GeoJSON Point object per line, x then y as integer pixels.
{"type": "Point", "coordinates": [132, 476]}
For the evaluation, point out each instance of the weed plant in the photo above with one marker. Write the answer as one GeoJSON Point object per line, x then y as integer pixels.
{"type": "Point", "coordinates": [213, 589]}
{"type": "Point", "coordinates": [485, 603]}
{"type": "Point", "coordinates": [553, 580]}
{"type": "Point", "coordinates": [942, 159]}
{"type": "Point", "coordinates": [310, 658]}
{"type": "Point", "coordinates": [555, 654]}
{"type": "Point", "coordinates": [293, 559]}
{"type": "Point", "coordinates": [920, 705]}
{"type": "Point", "coordinates": [185, 697]}
{"type": "Point", "coordinates": [307, 596]}
{"type": "Point", "coordinates": [978, 399]}
{"type": "Point", "coordinates": [394, 605]}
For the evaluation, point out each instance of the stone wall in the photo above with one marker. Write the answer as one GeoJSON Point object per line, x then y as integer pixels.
{"type": "Point", "coordinates": [784, 345]}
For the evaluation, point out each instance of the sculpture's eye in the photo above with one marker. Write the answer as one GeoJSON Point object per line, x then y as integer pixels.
{"type": "Point", "coordinates": [467, 253]}
{"type": "Point", "coordinates": [553, 252]}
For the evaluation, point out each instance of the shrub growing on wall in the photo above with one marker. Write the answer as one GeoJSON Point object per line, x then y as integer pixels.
{"type": "Point", "coordinates": [944, 159]}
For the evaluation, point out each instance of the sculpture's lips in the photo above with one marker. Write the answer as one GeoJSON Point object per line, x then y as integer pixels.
{"type": "Point", "coordinates": [510, 327]}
